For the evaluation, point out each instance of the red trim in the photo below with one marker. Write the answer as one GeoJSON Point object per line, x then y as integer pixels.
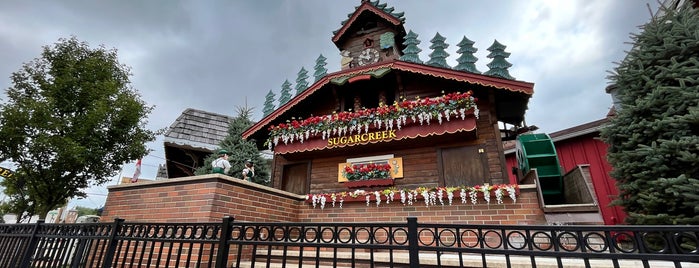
{"type": "Point", "coordinates": [368, 7]}
{"type": "Point", "coordinates": [369, 183]}
{"type": "Point", "coordinates": [471, 78]}
{"type": "Point", "coordinates": [484, 80]}
{"type": "Point", "coordinates": [410, 131]}
{"type": "Point", "coordinates": [359, 78]}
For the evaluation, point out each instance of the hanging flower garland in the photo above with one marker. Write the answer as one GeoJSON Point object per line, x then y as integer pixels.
{"type": "Point", "coordinates": [424, 111]}
{"type": "Point", "coordinates": [431, 196]}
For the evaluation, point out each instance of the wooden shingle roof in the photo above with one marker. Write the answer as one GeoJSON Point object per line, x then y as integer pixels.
{"type": "Point", "coordinates": [198, 129]}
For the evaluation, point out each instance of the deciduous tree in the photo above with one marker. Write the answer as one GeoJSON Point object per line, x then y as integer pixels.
{"type": "Point", "coordinates": [71, 120]}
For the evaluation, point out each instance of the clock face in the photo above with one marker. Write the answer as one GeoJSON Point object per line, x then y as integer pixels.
{"type": "Point", "coordinates": [368, 56]}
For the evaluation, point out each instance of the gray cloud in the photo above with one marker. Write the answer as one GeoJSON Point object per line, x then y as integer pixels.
{"type": "Point", "coordinates": [216, 55]}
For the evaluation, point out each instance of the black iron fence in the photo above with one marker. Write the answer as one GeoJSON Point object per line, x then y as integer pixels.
{"type": "Point", "coordinates": [408, 244]}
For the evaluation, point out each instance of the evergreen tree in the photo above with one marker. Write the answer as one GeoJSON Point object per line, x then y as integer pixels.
{"type": "Point", "coordinates": [269, 103]}
{"type": "Point", "coordinates": [439, 55]}
{"type": "Point", "coordinates": [301, 82]}
{"type": "Point", "coordinates": [285, 95]}
{"type": "Point", "coordinates": [654, 139]}
{"type": "Point", "coordinates": [240, 150]}
{"type": "Point", "coordinates": [319, 69]}
{"type": "Point", "coordinates": [498, 66]}
{"type": "Point", "coordinates": [467, 62]}
{"type": "Point", "coordinates": [411, 51]}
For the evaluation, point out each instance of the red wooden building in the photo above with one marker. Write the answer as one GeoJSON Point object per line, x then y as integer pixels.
{"type": "Point", "coordinates": [580, 145]}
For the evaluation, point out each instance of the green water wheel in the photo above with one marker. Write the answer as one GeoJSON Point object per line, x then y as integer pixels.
{"type": "Point", "coordinates": [537, 151]}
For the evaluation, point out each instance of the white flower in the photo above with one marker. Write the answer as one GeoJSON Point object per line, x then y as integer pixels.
{"type": "Point", "coordinates": [498, 195]}
{"type": "Point", "coordinates": [433, 198]}
{"type": "Point", "coordinates": [511, 192]}
{"type": "Point", "coordinates": [447, 114]}
{"type": "Point", "coordinates": [314, 200]}
{"type": "Point", "coordinates": [440, 195]}
{"type": "Point", "coordinates": [402, 196]}
{"type": "Point", "coordinates": [342, 200]}
{"type": "Point", "coordinates": [486, 193]}
{"type": "Point", "coordinates": [334, 198]}
{"type": "Point", "coordinates": [463, 196]}
{"type": "Point", "coordinates": [450, 196]}
{"type": "Point", "coordinates": [378, 197]}
{"type": "Point", "coordinates": [368, 200]}
{"type": "Point", "coordinates": [322, 201]}
{"type": "Point", "coordinates": [410, 198]}
{"type": "Point", "coordinates": [473, 194]}
{"type": "Point", "coordinates": [426, 196]}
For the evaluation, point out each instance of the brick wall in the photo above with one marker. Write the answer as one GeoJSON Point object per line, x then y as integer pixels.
{"type": "Point", "coordinates": [205, 198]}
{"type": "Point", "coordinates": [208, 198]}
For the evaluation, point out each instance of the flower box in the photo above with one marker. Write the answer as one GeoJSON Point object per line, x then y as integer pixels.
{"type": "Point", "coordinates": [369, 183]}
{"type": "Point", "coordinates": [428, 196]}
{"type": "Point", "coordinates": [404, 119]}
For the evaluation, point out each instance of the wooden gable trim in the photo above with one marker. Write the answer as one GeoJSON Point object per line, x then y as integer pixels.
{"type": "Point", "coordinates": [489, 81]}
{"type": "Point", "coordinates": [318, 84]}
{"type": "Point", "coordinates": [471, 78]}
{"type": "Point", "coordinates": [366, 6]}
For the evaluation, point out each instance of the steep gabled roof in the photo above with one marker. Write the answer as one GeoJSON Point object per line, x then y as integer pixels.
{"type": "Point", "coordinates": [374, 7]}
{"type": "Point", "coordinates": [198, 129]}
{"type": "Point", "coordinates": [568, 133]}
{"type": "Point", "coordinates": [471, 78]}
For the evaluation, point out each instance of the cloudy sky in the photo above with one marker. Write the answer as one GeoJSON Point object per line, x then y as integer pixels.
{"type": "Point", "coordinates": [216, 55]}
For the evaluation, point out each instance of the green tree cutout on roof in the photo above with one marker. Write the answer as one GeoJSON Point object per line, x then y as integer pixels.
{"type": "Point", "coordinates": [654, 136]}
{"type": "Point", "coordinates": [285, 94]}
{"type": "Point", "coordinates": [411, 51]}
{"type": "Point", "coordinates": [439, 55]}
{"type": "Point", "coordinates": [498, 66]}
{"type": "Point", "coordinates": [467, 62]}
{"type": "Point", "coordinates": [301, 82]}
{"type": "Point", "coordinates": [269, 103]}
{"type": "Point", "coordinates": [240, 150]}
{"type": "Point", "coordinates": [319, 69]}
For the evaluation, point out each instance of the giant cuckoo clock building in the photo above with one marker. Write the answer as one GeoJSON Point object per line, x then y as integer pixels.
{"type": "Point", "coordinates": [432, 124]}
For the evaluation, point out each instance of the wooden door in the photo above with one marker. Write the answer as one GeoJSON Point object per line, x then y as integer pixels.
{"type": "Point", "coordinates": [294, 178]}
{"type": "Point", "coordinates": [466, 165]}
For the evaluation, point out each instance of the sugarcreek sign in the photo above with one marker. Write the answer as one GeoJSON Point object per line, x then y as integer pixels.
{"type": "Point", "coordinates": [362, 138]}
{"type": "Point", "coordinates": [6, 173]}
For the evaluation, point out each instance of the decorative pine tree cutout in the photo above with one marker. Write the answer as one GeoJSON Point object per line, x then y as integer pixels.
{"type": "Point", "coordinates": [285, 95]}
{"type": "Point", "coordinates": [319, 69]}
{"type": "Point", "coordinates": [410, 53]}
{"type": "Point", "coordinates": [301, 83]}
{"type": "Point", "coordinates": [498, 66]}
{"type": "Point", "coordinates": [269, 103]}
{"type": "Point", "coordinates": [438, 57]}
{"type": "Point", "coordinates": [467, 62]}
